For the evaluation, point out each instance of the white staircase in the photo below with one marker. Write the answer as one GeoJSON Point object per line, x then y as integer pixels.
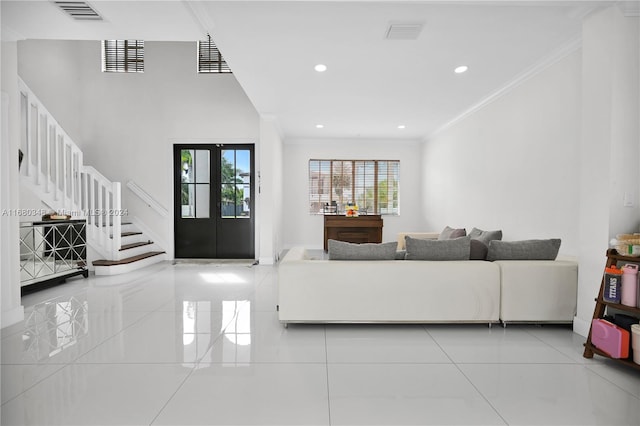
{"type": "Point", "coordinates": [53, 169]}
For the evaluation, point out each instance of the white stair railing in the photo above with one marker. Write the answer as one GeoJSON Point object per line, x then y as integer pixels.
{"type": "Point", "coordinates": [52, 161]}
{"type": "Point", "coordinates": [147, 198]}
{"type": "Point", "coordinates": [104, 211]}
{"type": "Point", "coordinates": [53, 167]}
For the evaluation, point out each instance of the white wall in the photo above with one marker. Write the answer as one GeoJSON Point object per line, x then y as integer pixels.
{"type": "Point", "coordinates": [553, 157]}
{"type": "Point", "coordinates": [129, 122]}
{"type": "Point", "coordinates": [514, 164]}
{"type": "Point", "coordinates": [12, 311]}
{"type": "Point", "coordinates": [53, 72]}
{"type": "Point", "coordinates": [302, 228]}
{"type": "Point", "coordinates": [610, 146]}
{"type": "Point", "coordinates": [625, 124]}
{"type": "Point", "coordinates": [270, 191]}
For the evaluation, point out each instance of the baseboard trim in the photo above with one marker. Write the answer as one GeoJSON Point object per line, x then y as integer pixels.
{"type": "Point", "coordinates": [266, 261]}
{"type": "Point", "coordinates": [581, 326]}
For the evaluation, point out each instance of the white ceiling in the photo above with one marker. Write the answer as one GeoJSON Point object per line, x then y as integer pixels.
{"type": "Point", "coordinates": [372, 85]}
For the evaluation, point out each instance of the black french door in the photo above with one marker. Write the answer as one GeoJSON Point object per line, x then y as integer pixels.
{"type": "Point", "coordinates": [213, 201]}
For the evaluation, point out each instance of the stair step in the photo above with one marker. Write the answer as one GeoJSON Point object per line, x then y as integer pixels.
{"type": "Point", "coordinates": [134, 245]}
{"type": "Point", "coordinates": [111, 224]}
{"type": "Point", "coordinates": [130, 233]}
{"type": "Point", "coordinates": [104, 262]}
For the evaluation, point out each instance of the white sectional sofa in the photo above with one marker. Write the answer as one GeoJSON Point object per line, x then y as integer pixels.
{"type": "Point", "coordinates": [405, 291]}
{"type": "Point", "coordinates": [538, 290]}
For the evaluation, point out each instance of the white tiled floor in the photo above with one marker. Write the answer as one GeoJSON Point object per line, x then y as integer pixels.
{"type": "Point", "coordinates": [201, 344]}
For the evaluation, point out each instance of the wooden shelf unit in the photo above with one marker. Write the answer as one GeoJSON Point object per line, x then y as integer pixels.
{"type": "Point", "coordinates": [601, 306]}
{"type": "Point", "coordinates": [361, 229]}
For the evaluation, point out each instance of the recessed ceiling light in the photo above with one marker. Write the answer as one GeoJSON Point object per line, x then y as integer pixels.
{"type": "Point", "coordinates": [320, 67]}
{"type": "Point", "coordinates": [402, 126]}
{"type": "Point", "coordinates": [319, 126]}
{"type": "Point", "coordinates": [461, 69]}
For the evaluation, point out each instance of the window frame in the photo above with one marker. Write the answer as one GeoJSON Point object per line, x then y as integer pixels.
{"type": "Point", "coordinates": [361, 181]}
{"type": "Point", "coordinates": [123, 62]}
{"type": "Point", "coordinates": [210, 59]}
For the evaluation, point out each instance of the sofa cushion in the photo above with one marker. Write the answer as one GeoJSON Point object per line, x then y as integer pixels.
{"type": "Point", "coordinates": [454, 249]}
{"type": "Point", "coordinates": [449, 233]}
{"type": "Point", "coordinates": [423, 235]}
{"type": "Point", "coordinates": [478, 249]}
{"type": "Point", "coordinates": [485, 236]}
{"type": "Point", "coordinates": [524, 250]}
{"type": "Point", "coordinates": [340, 250]}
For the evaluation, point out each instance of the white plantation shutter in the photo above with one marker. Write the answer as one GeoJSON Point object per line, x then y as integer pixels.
{"type": "Point", "coordinates": [210, 59]}
{"type": "Point", "coordinates": [123, 56]}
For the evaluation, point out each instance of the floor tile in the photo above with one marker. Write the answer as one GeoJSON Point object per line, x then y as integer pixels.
{"type": "Point", "coordinates": [258, 337]}
{"type": "Point", "coordinates": [623, 376]}
{"type": "Point", "coordinates": [265, 298]}
{"type": "Point", "coordinates": [18, 378]}
{"type": "Point", "coordinates": [401, 394]}
{"type": "Point", "coordinates": [481, 344]}
{"type": "Point", "coordinates": [364, 343]}
{"type": "Point", "coordinates": [12, 330]}
{"type": "Point", "coordinates": [553, 394]}
{"type": "Point", "coordinates": [61, 335]}
{"type": "Point", "coordinates": [102, 394]}
{"type": "Point", "coordinates": [258, 394]}
{"type": "Point", "coordinates": [201, 344]}
{"type": "Point", "coordinates": [564, 340]}
{"type": "Point", "coordinates": [161, 337]}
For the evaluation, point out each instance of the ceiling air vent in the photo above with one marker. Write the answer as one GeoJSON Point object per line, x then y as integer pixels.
{"type": "Point", "coordinates": [403, 31]}
{"type": "Point", "coordinates": [78, 10]}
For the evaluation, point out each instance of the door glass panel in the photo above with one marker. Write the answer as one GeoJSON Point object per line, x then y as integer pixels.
{"type": "Point", "coordinates": [235, 179]}
{"type": "Point", "coordinates": [188, 200]}
{"type": "Point", "coordinates": [243, 172]}
{"type": "Point", "coordinates": [202, 200]}
{"type": "Point", "coordinates": [202, 166]}
{"type": "Point", "coordinates": [186, 156]}
{"type": "Point", "coordinates": [242, 163]}
{"type": "Point", "coordinates": [229, 197]}
{"type": "Point", "coordinates": [195, 193]}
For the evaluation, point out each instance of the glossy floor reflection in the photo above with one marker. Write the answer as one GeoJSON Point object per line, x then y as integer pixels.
{"type": "Point", "coordinates": [201, 344]}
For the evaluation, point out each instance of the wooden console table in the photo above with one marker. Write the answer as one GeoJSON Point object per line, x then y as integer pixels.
{"type": "Point", "coordinates": [361, 229]}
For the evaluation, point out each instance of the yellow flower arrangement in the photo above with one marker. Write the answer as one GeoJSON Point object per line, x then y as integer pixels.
{"type": "Point", "coordinates": [351, 210]}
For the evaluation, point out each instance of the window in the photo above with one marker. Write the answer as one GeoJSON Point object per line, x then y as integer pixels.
{"type": "Point", "coordinates": [210, 59]}
{"type": "Point", "coordinates": [372, 184]}
{"type": "Point", "coordinates": [123, 56]}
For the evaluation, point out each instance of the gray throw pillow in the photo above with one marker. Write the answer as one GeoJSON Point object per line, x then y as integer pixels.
{"type": "Point", "coordinates": [455, 249]}
{"type": "Point", "coordinates": [340, 250]}
{"type": "Point", "coordinates": [478, 250]}
{"type": "Point", "coordinates": [485, 236]}
{"type": "Point", "coordinates": [524, 250]}
{"type": "Point", "coordinates": [449, 233]}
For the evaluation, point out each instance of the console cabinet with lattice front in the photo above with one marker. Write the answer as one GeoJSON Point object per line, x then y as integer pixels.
{"type": "Point", "coordinates": [603, 307]}
{"type": "Point", "coordinates": [50, 252]}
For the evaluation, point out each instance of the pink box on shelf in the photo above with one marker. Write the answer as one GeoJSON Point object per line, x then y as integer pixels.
{"type": "Point", "coordinates": [610, 338]}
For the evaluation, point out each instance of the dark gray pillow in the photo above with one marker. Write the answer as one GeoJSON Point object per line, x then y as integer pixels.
{"type": "Point", "coordinates": [455, 249]}
{"type": "Point", "coordinates": [524, 250]}
{"type": "Point", "coordinates": [449, 233]}
{"type": "Point", "coordinates": [485, 236]}
{"type": "Point", "coordinates": [478, 250]}
{"type": "Point", "coordinates": [340, 250]}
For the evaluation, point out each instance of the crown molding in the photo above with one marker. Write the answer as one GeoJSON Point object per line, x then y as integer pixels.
{"type": "Point", "coordinates": [551, 59]}
{"type": "Point", "coordinates": [629, 9]}
{"type": "Point", "coordinates": [8, 34]}
{"type": "Point", "coordinates": [200, 15]}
